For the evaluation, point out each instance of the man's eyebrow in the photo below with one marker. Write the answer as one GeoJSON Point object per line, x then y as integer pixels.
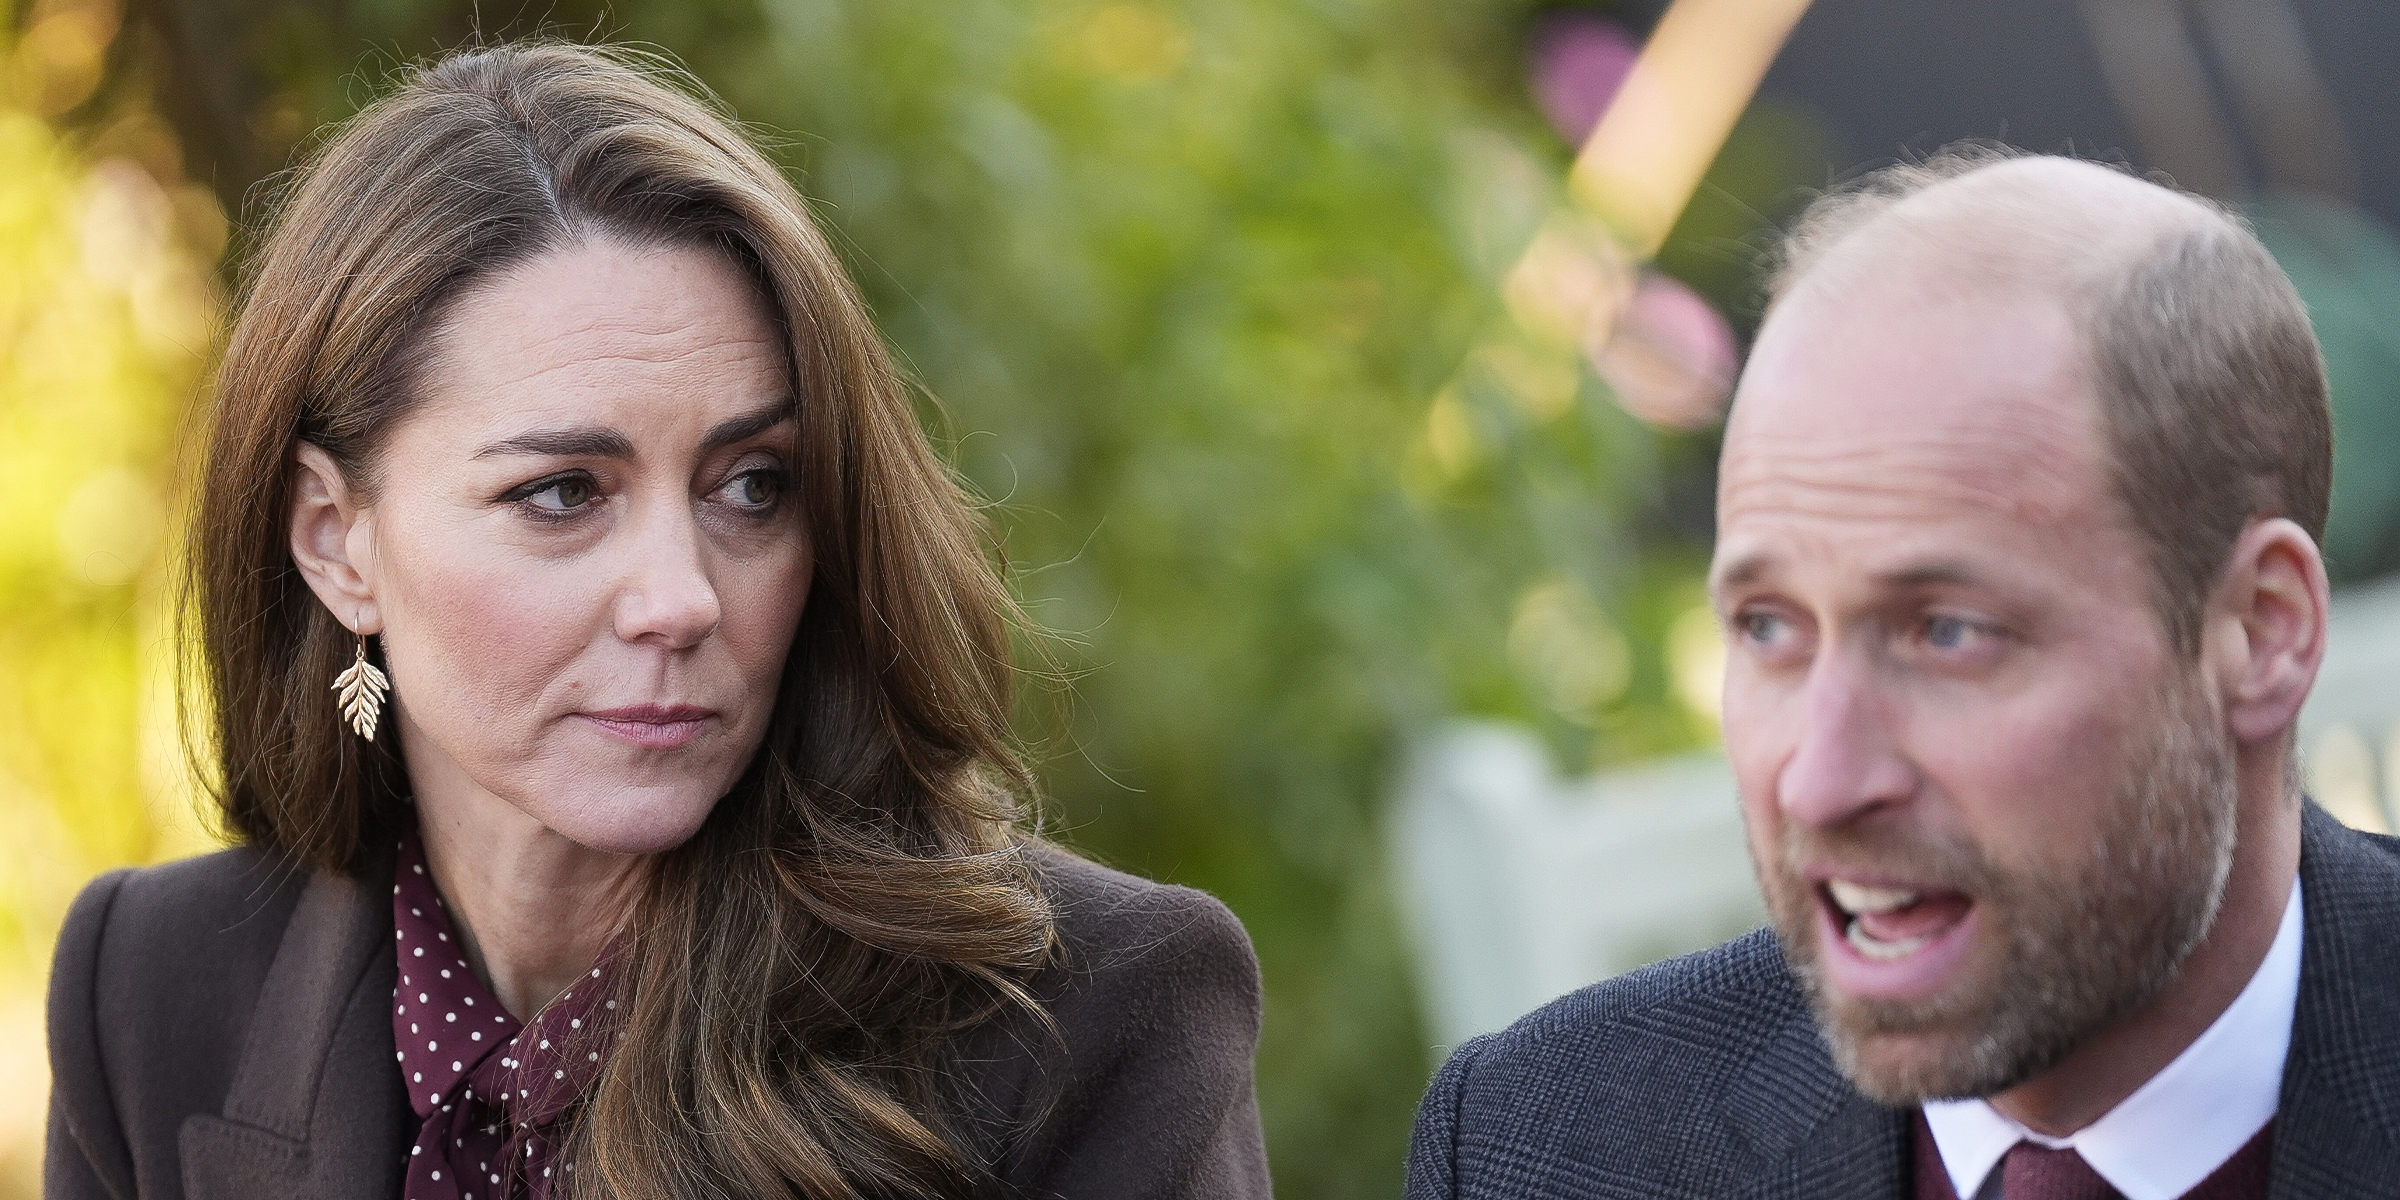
{"type": "Point", "coordinates": [600, 441]}
{"type": "Point", "coordinates": [1739, 573]}
{"type": "Point", "coordinates": [1929, 575]}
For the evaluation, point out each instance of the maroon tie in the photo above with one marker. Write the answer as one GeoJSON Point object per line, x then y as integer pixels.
{"type": "Point", "coordinates": [2031, 1172]}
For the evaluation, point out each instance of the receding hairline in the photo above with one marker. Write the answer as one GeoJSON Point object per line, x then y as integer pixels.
{"type": "Point", "coordinates": [2062, 226]}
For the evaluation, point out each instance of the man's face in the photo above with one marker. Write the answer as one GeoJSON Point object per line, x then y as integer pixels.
{"type": "Point", "coordinates": [1990, 808]}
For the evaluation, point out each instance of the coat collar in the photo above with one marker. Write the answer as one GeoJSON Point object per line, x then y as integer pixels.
{"type": "Point", "coordinates": [315, 1108]}
{"type": "Point", "coordinates": [1808, 1131]}
{"type": "Point", "coordinates": [2337, 1124]}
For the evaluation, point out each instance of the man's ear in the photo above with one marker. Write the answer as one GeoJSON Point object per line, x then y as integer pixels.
{"type": "Point", "coordinates": [2266, 628]}
{"type": "Point", "coordinates": [332, 540]}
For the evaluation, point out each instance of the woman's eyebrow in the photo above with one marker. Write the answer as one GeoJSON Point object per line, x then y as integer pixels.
{"type": "Point", "coordinates": [588, 442]}
{"type": "Point", "coordinates": [768, 416]}
{"type": "Point", "coordinates": [600, 441]}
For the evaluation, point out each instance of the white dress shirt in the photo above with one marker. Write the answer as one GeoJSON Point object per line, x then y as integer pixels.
{"type": "Point", "coordinates": [2179, 1127]}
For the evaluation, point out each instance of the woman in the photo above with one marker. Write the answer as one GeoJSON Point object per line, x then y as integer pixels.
{"type": "Point", "coordinates": [611, 692]}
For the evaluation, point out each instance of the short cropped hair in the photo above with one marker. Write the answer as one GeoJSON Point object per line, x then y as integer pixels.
{"type": "Point", "coordinates": [2209, 382]}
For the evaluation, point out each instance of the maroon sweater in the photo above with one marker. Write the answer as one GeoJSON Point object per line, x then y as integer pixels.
{"type": "Point", "coordinates": [2242, 1177]}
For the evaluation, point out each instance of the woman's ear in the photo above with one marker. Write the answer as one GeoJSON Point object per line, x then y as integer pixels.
{"type": "Point", "coordinates": [2271, 614]}
{"type": "Point", "coordinates": [332, 540]}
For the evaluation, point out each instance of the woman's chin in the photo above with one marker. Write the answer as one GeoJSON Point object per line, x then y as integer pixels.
{"type": "Point", "coordinates": [632, 821]}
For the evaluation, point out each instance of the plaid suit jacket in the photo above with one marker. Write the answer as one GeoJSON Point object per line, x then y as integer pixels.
{"type": "Point", "coordinates": [1704, 1076]}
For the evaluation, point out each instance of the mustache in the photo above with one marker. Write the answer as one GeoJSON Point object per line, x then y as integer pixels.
{"type": "Point", "coordinates": [1889, 844]}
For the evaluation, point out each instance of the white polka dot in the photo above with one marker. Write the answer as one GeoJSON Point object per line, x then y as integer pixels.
{"type": "Point", "coordinates": [402, 1056]}
{"type": "Point", "coordinates": [612, 1004]}
{"type": "Point", "coordinates": [593, 1056]}
{"type": "Point", "coordinates": [432, 1046]}
{"type": "Point", "coordinates": [420, 952]}
{"type": "Point", "coordinates": [445, 972]}
{"type": "Point", "coordinates": [455, 1067]}
{"type": "Point", "coordinates": [575, 1023]}
{"type": "Point", "coordinates": [421, 870]}
{"type": "Point", "coordinates": [476, 1036]}
{"type": "Point", "coordinates": [419, 1077]}
{"type": "Point", "coordinates": [420, 997]}
{"type": "Point", "coordinates": [414, 1151]}
{"type": "Point", "coordinates": [470, 999]}
{"type": "Point", "coordinates": [449, 1016]}
{"type": "Point", "coordinates": [558, 1074]}
{"type": "Point", "coordinates": [416, 912]}
{"type": "Point", "coordinates": [595, 972]}
{"type": "Point", "coordinates": [436, 1174]}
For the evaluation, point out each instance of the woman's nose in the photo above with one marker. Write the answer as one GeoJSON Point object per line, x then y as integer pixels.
{"type": "Point", "coordinates": [1849, 759]}
{"type": "Point", "coordinates": [667, 596]}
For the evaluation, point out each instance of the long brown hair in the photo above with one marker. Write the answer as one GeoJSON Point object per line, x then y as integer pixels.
{"type": "Point", "coordinates": [794, 970]}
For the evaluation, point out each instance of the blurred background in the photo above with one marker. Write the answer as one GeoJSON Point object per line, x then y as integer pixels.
{"type": "Point", "coordinates": [1354, 444]}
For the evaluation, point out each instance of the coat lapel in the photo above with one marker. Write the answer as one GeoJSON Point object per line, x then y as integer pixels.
{"type": "Point", "coordinates": [1810, 1133]}
{"type": "Point", "coordinates": [315, 1109]}
{"type": "Point", "coordinates": [2337, 1124]}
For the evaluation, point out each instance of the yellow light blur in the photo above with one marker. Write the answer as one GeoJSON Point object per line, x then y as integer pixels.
{"type": "Point", "coordinates": [1695, 75]}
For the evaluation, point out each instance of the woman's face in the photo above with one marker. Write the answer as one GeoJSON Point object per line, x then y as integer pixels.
{"type": "Point", "coordinates": [586, 556]}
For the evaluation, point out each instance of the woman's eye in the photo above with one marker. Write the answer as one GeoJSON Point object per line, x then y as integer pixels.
{"type": "Point", "coordinates": [562, 495]}
{"type": "Point", "coordinates": [555, 497]}
{"type": "Point", "coordinates": [755, 489]}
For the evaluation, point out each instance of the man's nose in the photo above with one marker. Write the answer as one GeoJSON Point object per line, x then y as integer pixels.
{"type": "Point", "coordinates": [1848, 761]}
{"type": "Point", "coordinates": [667, 597]}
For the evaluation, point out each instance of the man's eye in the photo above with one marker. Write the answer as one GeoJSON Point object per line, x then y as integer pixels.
{"type": "Point", "coordinates": [1759, 628]}
{"type": "Point", "coordinates": [1953, 633]}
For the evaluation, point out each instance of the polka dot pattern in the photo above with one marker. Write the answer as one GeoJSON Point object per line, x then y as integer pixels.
{"type": "Point", "coordinates": [488, 1092]}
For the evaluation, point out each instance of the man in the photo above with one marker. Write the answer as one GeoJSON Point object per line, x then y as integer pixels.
{"type": "Point", "coordinates": [2018, 570]}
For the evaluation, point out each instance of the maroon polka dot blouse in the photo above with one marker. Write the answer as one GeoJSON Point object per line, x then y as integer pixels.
{"type": "Point", "coordinates": [488, 1091]}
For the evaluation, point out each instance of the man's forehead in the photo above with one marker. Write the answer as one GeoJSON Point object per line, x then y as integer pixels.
{"type": "Point", "coordinates": [1891, 393]}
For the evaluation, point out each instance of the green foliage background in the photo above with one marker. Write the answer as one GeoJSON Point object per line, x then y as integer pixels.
{"type": "Point", "coordinates": [1205, 299]}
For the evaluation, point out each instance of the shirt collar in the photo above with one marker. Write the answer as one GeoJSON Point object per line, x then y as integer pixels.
{"type": "Point", "coordinates": [2173, 1131]}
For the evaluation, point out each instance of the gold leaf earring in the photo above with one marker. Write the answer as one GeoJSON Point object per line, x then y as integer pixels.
{"type": "Point", "coordinates": [362, 689]}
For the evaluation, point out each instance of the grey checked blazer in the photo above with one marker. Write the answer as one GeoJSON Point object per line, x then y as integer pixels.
{"type": "Point", "coordinates": [1704, 1076]}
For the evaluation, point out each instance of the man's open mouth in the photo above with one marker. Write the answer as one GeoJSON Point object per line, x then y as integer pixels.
{"type": "Point", "coordinates": [1887, 924]}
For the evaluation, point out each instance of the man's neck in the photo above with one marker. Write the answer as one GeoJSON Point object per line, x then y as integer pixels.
{"type": "Point", "coordinates": [2112, 1064]}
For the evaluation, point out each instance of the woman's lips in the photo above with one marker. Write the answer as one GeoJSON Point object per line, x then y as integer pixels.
{"type": "Point", "coordinates": [653, 726]}
{"type": "Point", "coordinates": [1892, 943]}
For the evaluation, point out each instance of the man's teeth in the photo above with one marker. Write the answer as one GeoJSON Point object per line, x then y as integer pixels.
{"type": "Point", "coordinates": [1858, 898]}
{"type": "Point", "coordinates": [1865, 943]}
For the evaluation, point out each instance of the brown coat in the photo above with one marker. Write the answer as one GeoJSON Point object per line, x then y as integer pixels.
{"type": "Point", "coordinates": [220, 1029]}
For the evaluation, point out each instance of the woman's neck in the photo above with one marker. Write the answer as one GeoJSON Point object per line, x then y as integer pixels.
{"type": "Point", "coordinates": [532, 909]}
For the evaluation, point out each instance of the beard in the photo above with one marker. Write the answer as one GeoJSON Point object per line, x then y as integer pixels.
{"type": "Point", "coordinates": [2081, 942]}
